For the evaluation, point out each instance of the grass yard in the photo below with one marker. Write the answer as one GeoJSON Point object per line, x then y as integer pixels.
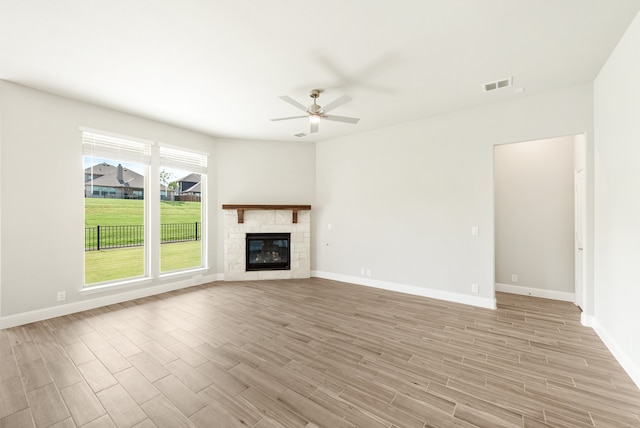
{"type": "Point", "coordinates": [179, 212]}
{"type": "Point", "coordinates": [180, 255]}
{"type": "Point", "coordinates": [110, 265]}
{"type": "Point", "coordinates": [122, 263]}
{"type": "Point", "coordinates": [113, 212]}
{"type": "Point", "coordinates": [117, 212]}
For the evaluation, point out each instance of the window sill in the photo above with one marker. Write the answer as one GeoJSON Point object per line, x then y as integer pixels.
{"type": "Point", "coordinates": [119, 285]}
{"type": "Point", "coordinates": [110, 286]}
{"type": "Point", "coordinates": [181, 273]}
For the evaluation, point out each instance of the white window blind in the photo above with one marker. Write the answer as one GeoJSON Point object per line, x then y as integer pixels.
{"type": "Point", "coordinates": [180, 159]}
{"type": "Point", "coordinates": [117, 148]}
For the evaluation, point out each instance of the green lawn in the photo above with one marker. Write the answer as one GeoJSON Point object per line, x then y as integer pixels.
{"type": "Point", "coordinates": [122, 263]}
{"type": "Point", "coordinates": [113, 212]}
{"type": "Point", "coordinates": [180, 255]}
{"type": "Point", "coordinates": [179, 212]}
{"type": "Point", "coordinates": [116, 212]}
{"type": "Point", "coordinates": [110, 265]}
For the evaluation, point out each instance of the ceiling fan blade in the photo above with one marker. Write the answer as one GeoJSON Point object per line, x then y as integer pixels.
{"type": "Point", "coordinates": [293, 102]}
{"type": "Point", "coordinates": [336, 103]}
{"type": "Point", "coordinates": [341, 118]}
{"type": "Point", "coordinates": [287, 118]}
{"type": "Point", "coordinates": [314, 127]}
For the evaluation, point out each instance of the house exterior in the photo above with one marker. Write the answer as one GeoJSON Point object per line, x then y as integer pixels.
{"type": "Point", "coordinates": [117, 182]}
{"type": "Point", "coordinates": [189, 188]}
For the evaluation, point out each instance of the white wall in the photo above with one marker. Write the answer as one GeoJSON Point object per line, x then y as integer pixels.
{"type": "Point", "coordinates": [617, 201]}
{"type": "Point", "coordinates": [534, 216]}
{"type": "Point", "coordinates": [42, 198]}
{"type": "Point", "coordinates": [41, 195]}
{"type": "Point", "coordinates": [263, 172]}
{"type": "Point", "coordinates": [402, 200]}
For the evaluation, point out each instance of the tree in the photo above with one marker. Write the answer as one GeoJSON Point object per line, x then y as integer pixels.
{"type": "Point", "coordinates": [165, 178]}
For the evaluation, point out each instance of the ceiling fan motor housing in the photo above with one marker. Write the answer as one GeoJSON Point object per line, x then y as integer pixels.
{"type": "Point", "coordinates": [314, 109]}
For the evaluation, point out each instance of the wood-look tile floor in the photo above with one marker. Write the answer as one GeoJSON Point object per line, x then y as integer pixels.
{"type": "Point", "coordinates": [312, 353]}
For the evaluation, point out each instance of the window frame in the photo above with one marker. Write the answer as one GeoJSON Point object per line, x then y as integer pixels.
{"type": "Point", "coordinates": [196, 162]}
{"type": "Point", "coordinates": [158, 155]}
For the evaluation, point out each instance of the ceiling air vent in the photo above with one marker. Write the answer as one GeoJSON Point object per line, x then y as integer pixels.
{"type": "Point", "coordinates": [502, 83]}
{"type": "Point", "coordinates": [299, 134]}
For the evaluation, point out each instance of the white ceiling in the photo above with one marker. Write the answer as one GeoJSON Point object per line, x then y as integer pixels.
{"type": "Point", "coordinates": [218, 66]}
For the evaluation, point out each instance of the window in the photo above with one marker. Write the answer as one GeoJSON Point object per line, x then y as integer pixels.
{"type": "Point", "coordinates": [182, 176]}
{"type": "Point", "coordinates": [118, 203]}
{"type": "Point", "coordinates": [114, 209]}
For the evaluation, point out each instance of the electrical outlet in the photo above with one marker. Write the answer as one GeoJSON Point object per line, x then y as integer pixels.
{"type": "Point", "coordinates": [514, 277]}
{"type": "Point", "coordinates": [62, 295]}
{"type": "Point", "coordinates": [361, 271]}
{"type": "Point", "coordinates": [474, 288]}
{"type": "Point", "coordinates": [368, 272]}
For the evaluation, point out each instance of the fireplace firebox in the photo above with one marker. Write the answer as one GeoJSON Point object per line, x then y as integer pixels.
{"type": "Point", "coordinates": [268, 251]}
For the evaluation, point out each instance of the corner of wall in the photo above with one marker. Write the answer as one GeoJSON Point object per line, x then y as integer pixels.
{"type": "Point", "coordinates": [632, 369]}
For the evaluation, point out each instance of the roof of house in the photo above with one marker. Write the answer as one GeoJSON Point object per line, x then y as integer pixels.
{"type": "Point", "coordinates": [130, 179]}
{"type": "Point", "coordinates": [109, 177]}
{"type": "Point", "coordinates": [191, 178]}
{"type": "Point", "coordinates": [100, 169]}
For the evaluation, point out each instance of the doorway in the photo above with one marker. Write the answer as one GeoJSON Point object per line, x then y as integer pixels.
{"type": "Point", "coordinates": [539, 214]}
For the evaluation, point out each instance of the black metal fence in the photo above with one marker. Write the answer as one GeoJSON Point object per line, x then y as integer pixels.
{"type": "Point", "coordinates": [106, 237]}
{"type": "Point", "coordinates": [179, 232]}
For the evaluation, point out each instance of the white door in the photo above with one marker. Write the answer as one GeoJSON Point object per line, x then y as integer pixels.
{"type": "Point", "coordinates": [580, 265]}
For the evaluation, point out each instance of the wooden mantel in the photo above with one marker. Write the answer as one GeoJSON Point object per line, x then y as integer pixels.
{"type": "Point", "coordinates": [241, 209]}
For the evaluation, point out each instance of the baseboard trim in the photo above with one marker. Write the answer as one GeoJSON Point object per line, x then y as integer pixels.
{"type": "Point", "coordinates": [586, 320]}
{"type": "Point", "coordinates": [632, 369]}
{"type": "Point", "coordinates": [536, 292]}
{"type": "Point", "coordinates": [97, 302]}
{"type": "Point", "coordinates": [483, 302]}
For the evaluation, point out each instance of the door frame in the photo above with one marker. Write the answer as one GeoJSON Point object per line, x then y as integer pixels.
{"type": "Point", "coordinates": [583, 160]}
{"type": "Point", "coordinates": [580, 241]}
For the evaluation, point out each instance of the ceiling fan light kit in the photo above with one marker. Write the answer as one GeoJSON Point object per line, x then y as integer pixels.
{"type": "Point", "coordinates": [316, 112]}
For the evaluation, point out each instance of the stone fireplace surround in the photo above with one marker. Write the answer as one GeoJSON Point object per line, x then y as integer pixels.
{"type": "Point", "coordinates": [242, 219]}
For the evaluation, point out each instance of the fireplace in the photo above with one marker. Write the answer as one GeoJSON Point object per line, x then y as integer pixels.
{"type": "Point", "coordinates": [268, 251]}
{"type": "Point", "coordinates": [239, 220]}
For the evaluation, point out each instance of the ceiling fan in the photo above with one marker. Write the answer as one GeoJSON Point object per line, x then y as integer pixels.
{"type": "Point", "coordinates": [315, 112]}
